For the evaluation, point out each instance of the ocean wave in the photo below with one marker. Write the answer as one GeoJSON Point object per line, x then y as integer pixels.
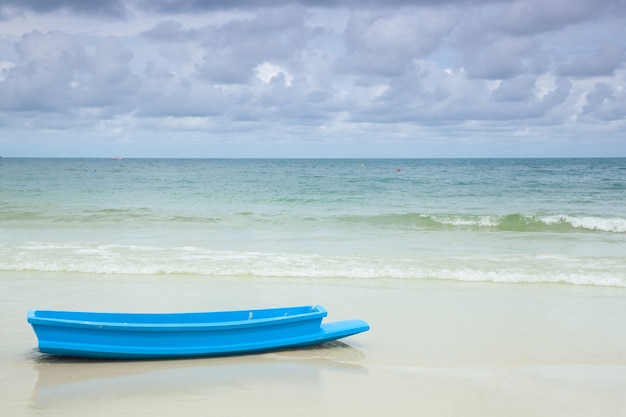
{"type": "Point", "coordinates": [615, 225]}
{"type": "Point", "coordinates": [129, 260]}
{"type": "Point", "coordinates": [109, 216]}
{"type": "Point", "coordinates": [138, 216]}
{"type": "Point", "coordinates": [512, 222]}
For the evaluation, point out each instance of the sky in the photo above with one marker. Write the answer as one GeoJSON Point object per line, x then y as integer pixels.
{"type": "Point", "coordinates": [300, 79]}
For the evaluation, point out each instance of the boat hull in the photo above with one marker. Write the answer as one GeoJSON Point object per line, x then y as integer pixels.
{"type": "Point", "coordinates": [134, 336]}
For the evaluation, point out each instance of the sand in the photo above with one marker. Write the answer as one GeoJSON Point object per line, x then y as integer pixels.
{"type": "Point", "coordinates": [435, 348]}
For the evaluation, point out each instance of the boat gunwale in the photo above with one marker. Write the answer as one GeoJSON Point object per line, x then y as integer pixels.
{"type": "Point", "coordinates": [317, 312]}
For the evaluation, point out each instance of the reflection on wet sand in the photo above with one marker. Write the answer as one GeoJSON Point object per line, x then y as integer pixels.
{"type": "Point", "coordinates": [63, 379]}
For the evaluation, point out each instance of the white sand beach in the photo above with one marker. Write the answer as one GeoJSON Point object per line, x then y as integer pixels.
{"type": "Point", "coordinates": [435, 348]}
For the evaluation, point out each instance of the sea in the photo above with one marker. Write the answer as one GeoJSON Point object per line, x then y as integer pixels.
{"type": "Point", "coordinates": [540, 221]}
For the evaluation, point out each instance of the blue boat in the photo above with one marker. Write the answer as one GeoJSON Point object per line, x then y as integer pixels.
{"type": "Point", "coordinates": [179, 335]}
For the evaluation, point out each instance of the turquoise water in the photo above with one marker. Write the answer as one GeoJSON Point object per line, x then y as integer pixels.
{"type": "Point", "coordinates": [498, 220]}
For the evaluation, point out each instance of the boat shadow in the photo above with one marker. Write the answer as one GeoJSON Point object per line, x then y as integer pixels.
{"type": "Point", "coordinates": [78, 379]}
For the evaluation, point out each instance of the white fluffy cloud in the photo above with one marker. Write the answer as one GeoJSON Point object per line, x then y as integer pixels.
{"type": "Point", "coordinates": [283, 76]}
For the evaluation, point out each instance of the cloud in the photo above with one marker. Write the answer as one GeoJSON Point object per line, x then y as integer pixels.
{"type": "Point", "coordinates": [171, 31]}
{"type": "Point", "coordinates": [126, 9]}
{"type": "Point", "coordinates": [110, 80]}
{"type": "Point", "coordinates": [301, 71]}
{"type": "Point", "coordinates": [56, 74]}
{"type": "Point", "coordinates": [557, 95]}
{"type": "Point", "coordinates": [603, 63]}
{"type": "Point", "coordinates": [42, 78]}
{"type": "Point", "coordinates": [537, 16]}
{"type": "Point", "coordinates": [268, 72]}
{"type": "Point", "coordinates": [109, 8]}
{"type": "Point", "coordinates": [504, 58]}
{"type": "Point", "coordinates": [386, 42]}
{"type": "Point", "coordinates": [516, 89]}
{"type": "Point", "coordinates": [5, 66]}
{"type": "Point", "coordinates": [605, 103]}
{"type": "Point", "coordinates": [233, 50]}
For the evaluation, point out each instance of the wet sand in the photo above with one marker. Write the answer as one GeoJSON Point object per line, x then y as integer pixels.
{"type": "Point", "coordinates": [435, 348]}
